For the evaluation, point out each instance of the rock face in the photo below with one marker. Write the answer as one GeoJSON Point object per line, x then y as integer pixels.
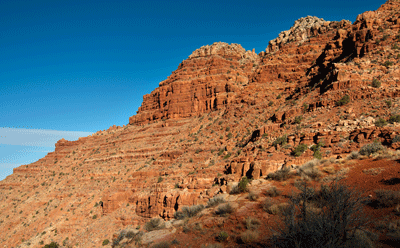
{"type": "Point", "coordinates": [223, 114]}
{"type": "Point", "coordinates": [302, 30]}
{"type": "Point", "coordinates": [208, 80]}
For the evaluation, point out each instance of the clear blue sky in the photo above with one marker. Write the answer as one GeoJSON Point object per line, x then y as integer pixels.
{"type": "Point", "coordinates": [82, 66]}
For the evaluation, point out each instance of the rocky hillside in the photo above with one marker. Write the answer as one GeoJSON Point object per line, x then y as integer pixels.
{"type": "Point", "coordinates": [320, 90]}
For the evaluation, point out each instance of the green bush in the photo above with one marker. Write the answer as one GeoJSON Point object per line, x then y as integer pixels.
{"type": "Point", "coordinates": [280, 141]}
{"type": "Point", "coordinates": [105, 242]}
{"type": "Point", "coordinates": [380, 122]}
{"type": "Point", "coordinates": [396, 139]}
{"type": "Point", "coordinates": [343, 101]}
{"type": "Point", "coordinates": [243, 184]}
{"type": "Point", "coordinates": [299, 150]}
{"type": "Point", "coordinates": [387, 63]}
{"type": "Point", "coordinates": [222, 236]}
{"type": "Point", "coordinates": [394, 118]}
{"type": "Point", "coordinates": [371, 148]}
{"type": "Point", "coordinates": [297, 119]}
{"type": "Point", "coordinates": [376, 83]}
{"type": "Point", "coordinates": [52, 245]}
{"type": "Point", "coordinates": [188, 212]}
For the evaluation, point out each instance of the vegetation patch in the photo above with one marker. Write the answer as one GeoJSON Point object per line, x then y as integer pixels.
{"type": "Point", "coordinates": [154, 224]}
{"type": "Point", "coordinates": [371, 148]}
{"type": "Point", "coordinates": [343, 101]}
{"type": "Point", "coordinates": [188, 212]}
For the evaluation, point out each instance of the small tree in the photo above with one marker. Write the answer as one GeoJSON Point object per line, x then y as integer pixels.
{"type": "Point", "coordinates": [336, 222]}
{"type": "Point", "coordinates": [343, 101]}
{"type": "Point", "coordinates": [376, 83]}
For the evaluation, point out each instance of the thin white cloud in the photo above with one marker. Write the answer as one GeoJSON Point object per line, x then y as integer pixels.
{"type": "Point", "coordinates": [37, 137]}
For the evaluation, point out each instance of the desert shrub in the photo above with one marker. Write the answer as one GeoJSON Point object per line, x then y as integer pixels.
{"type": "Point", "coordinates": [343, 101]}
{"type": "Point", "coordinates": [252, 196]}
{"type": "Point", "coordinates": [215, 201]}
{"type": "Point", "coordinates": [241, 187]}
{"type": "Point", "coordinates": [154, 224]}
{"type": "Point", "coordinates": [317, 154]}
{"type": "Point", "coordinates": [353, 155]}
{"type": "Point", "coordinates": [52, 245]}
{"type": "Point", "coordinates": [300, 149]}
{"type": "Point", "coordinates": [297, 119]}
{"type": "Point", "coordinates": [280, 141]}
{"type": "Point", "coordinates": [380, 122]}
{"type": "Point", "coordinates": [376, 83]}
{"type": "Point", "coordinates": [188, 212]}
{"type": "Point", "coordinates": [105, 242]}
{"type": "Point", "coordinates": [396, 139]}
{"type": "Point", "coordinates": [371, 148]}
{"type": "Point", "coordinates": [243, 184]}
{"type": "Point", "coordinates": [335, 224]}
{"type": "Point", "coordinates": [394, 118]}
{"type": "Point", "coordinates": [387, 63]}
{"type": "Point", "coordinates": [272, 192]}
{"type": "Point", "coordinates": [249, 236]}
{"type": "Point", "coordinates": [280, 175]}
{"type": "Point", "coordinates": [225, 209]}
{"type": "Point", "coordinates": [212, 246]}
{"type": "Point", "coordinates": [252, 223]}
{"type": "Point", "coordinates": [267, 203]}
{"type": "Point", "coordinates": [387, 198]}
{"type": "Point", "coordinates": [309, 169]}
{"type": "Point", "coordinates": [222, 236]}
{"type": "Point", "coordinates": [162, 244]}
{"type": "Point", "coordinates": [388, 103]}
{"type": "Point", "coordinates": [277, 208]}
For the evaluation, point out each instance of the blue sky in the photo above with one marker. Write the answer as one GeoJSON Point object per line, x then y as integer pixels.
{"type": "Point", "coordinates": [71, 68]}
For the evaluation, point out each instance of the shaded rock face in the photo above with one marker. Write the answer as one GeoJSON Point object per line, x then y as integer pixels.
{"type": "Point", "coordinates": [208, 80]}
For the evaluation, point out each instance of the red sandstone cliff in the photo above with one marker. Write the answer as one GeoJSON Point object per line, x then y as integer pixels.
{"type": "Point", "coordinates": [212, 121]}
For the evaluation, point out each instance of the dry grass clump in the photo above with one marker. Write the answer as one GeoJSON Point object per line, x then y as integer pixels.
{"type": "Point", "coordinates": [270, 206]}
{"type": "Point", "coordinates": [249, 236]}
{"type": "Point", "coordinates": [252, 196]}
{"type": "Point", "coordinates": [309, 170]}
{"type": "Point", "coordinates": [154, 224]}
{"type": "Point", "coordinates": [225, 209]}
{"type": "Point", "coordinates": [342, 173]}
{"type": "Point", "coordinates": [252, 224]}
{"type": "Point", "coordinates": [188, 212]}
{"type": "Point", "coordinates": [212, 246]}
{"type": "Point", "coordinates": [373, 171]}
{"type": "Point", "coordinates": [130, 236]}
{"type": "Point", "coordinates": [353, 155]}
{"type": "Point", "coordinates": [272, 192]}
{"type": "Point", "coordinates": [215, 201]}
{"type": "Point", "coordinates": [280, 175]}
{"type": "Point", "coordinates": [162, 244]}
